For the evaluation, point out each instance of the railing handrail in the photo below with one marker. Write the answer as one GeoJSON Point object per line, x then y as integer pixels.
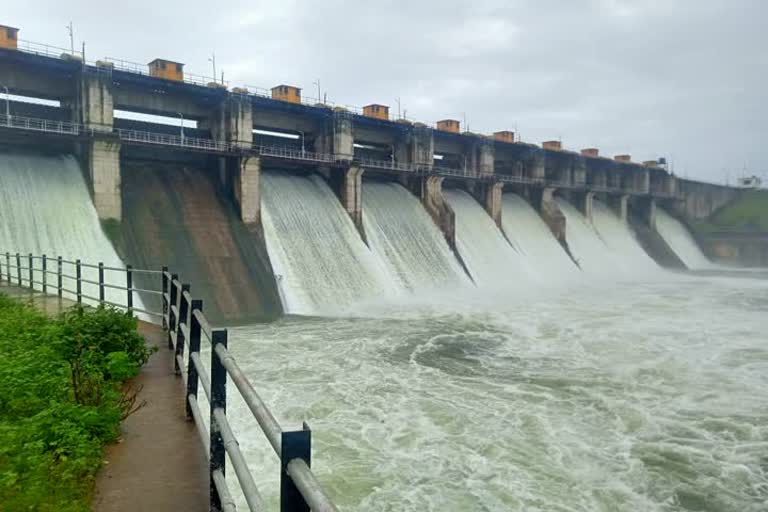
{"type": "Point", "coordinates": [183, 319]}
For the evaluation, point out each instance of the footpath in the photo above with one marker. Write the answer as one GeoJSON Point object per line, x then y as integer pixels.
{"type": "Point", "coordinates": [158, 464]}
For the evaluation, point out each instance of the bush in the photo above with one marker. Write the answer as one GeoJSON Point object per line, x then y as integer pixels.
{"type": "Point", "coordinates": [62, 397]}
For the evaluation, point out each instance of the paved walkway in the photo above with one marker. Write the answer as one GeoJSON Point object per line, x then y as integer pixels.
{"type": "Point", "coordinates": [158, 464]}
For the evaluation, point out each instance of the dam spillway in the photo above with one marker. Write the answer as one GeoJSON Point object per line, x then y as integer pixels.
{"type": "Point", "coordinates": [506, 382]}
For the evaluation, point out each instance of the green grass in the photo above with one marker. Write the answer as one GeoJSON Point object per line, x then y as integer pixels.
{"type": "Point", "coordinates": [62, 398]}
{"type": "Point", "coordinates": [748, 213]}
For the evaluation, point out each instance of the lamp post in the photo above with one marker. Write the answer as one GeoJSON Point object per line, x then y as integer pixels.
{"type": "Point", "coordinates": [181, 127]}
{"type": "Point", "coordinates": [7, 106]}
{"type": "Point", "coordinates": [212, 60]}
{"type": "Point", "coordinates": [317, 83]}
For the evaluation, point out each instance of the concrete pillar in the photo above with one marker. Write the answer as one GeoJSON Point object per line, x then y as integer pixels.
{"type": "Point", "coordinates": [343, 141]}
{"type": "Point", "coordinates": [647, 209]}
{"type": "Point", "coordinates": [95, 107]}
{"type": "Point", "coordinates": [438, 208]}
{"type": "Point", "coordinates": [535, 167]}
{"type": "Point", "coordinates": [580, 174]}
{"type": "Point", "coordinates": [643, 181]}
{"type": "Point", "coordinates": [584, 203]}
{"type": "Point", "coordinates": [670, 185]}
{"type": "Point", "coordinates": [232, 122]}
{"type": "Point", "coordinates": [422, 147]}
{"type": "Point", "coordinates": [348, 184]}
{"type": "Point", "coordinates": [247, 189]}
{"type": "Point", "coordinates": [619, 205]}
{"type": "Point", "coordinates": [486, 156]}
{"type": "Point", "coordinates": [104, 174]}
{"type": "Point", "coordinates": [493, 193]}
{"type": "Point", "coordinates": [551, 214]}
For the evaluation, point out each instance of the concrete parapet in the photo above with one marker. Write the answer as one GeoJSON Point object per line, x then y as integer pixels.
{"type": "Point", "coordinates": [104, 177]}
{"type": "Point", "coordinates": [247, 189]}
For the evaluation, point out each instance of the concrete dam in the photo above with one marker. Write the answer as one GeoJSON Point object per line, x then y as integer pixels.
{"type": "Point", "coordinates": [280, 204]}
{"type": "Point", "coordinates": [467, 321]}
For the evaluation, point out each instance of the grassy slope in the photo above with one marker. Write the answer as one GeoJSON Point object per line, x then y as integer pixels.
{"type": "Point", "coordinates": [747, 214]}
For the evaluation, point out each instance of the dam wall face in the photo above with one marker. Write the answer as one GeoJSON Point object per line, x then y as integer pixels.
{"type": "Point", "coordinates": [176, 214]}
{"type": "Point", "coordinates": [699, 200]}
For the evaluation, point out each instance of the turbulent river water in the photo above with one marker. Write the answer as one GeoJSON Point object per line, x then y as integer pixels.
{"type": "Point", "coordinates": [540, 387]}
{"type": "Point", "coordinates": [535, 385]}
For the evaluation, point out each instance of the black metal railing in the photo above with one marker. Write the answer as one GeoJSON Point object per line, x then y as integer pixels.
{"type": "Point", "coordinates": [181, 316]}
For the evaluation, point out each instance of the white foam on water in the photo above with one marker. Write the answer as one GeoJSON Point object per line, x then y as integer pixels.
{"type": "Point", "coordinates": [681, 241]}
{"type": "Point", "coordinates": [531, 236]}
{"type": "Point", "coordinates": [490, 258]}
{"type": "Point", "coordinates": [403, 235]}
{"type": "Point", "coordinates": [321, 262]}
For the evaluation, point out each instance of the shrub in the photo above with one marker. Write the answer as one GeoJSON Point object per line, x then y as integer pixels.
{"type": "Point", "coordinates": [62, 397]}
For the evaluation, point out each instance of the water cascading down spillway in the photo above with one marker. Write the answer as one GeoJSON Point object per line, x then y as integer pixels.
{"type": "Point", "coordinates": [681, 241]}
{"type": "Point", "coordinates": [46, 208]}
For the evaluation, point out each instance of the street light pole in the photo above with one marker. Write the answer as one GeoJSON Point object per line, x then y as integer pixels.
{"type": "Point", "coordinates": [212, 59]}
{"type": "Point", "coordinates": [7, 106]}
{"type": "Point", "coordinates": [71, 38]}
{"type": "Point", "coordinates": [317, 83]}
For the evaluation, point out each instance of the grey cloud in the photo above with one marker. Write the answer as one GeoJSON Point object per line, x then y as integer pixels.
{"type": "Point", "coordinates": [683, 79]}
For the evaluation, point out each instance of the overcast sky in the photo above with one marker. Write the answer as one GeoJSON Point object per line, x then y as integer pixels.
{"type": "Point", "coordinates": [681, 79]}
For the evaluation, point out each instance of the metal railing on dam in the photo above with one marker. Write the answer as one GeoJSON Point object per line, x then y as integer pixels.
{"type": "Point", "coordinates": [182, 317]}
{"type": "Point", "coordinates": [287, 153]}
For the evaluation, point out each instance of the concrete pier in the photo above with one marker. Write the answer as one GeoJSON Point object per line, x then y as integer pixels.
{"type": "Point", "coordinates": [247, 190]}
{"type": "Point", "coordinates": [104, 176]}
{"type": "Point", "coordinates": [348, 185]}
{"type": "Point", "coordinates": [583, 201]}
{"type": "Point", "coordinates": [619, 205]}
{"type": "Point", "coordinates": [646, 207]}
{"type": "Point", "coordinates": [431, 191]}
{"type": "Point", "coordinates": [95, 106]}
{"type": "Point", "coordinates": [550, 212]}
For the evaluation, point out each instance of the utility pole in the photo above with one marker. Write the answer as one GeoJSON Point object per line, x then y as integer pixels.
{"type": "Point", "coordinates": [317, 83]}
{"type": "Point", "coordinates": [398, 107]}
{"type": "Point", "coordinates": [71, 38]}
{"type": "Point", "coordinates": [212, 59]}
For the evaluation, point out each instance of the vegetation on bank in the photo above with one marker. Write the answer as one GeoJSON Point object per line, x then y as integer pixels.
{"type": "Point", "coordinates": [747, 214]}
{"type": "Point", "coordinates": [62, 398]}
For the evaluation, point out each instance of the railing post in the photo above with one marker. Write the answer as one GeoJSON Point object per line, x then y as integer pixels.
{"type": "Point", "coordinates": [294, 445]}
{"type": "Point", "coordinates": [218, 401]}
{"type": "Point", "coordinates": [195, 332]}
{"type": "Point", "coordinates": [78, 277]}
{"type": "Point", "coordinates": [31, 274]}
{"type": "Point", "coordinates": [9, 276]}
{"type": "Point", "coordinates": [59, 283]}
{"type": "Point", "coordinates": [129, 287]}
{"type": "Point", "coordinates": [182, 320]}
{"type": "Point", "coordinates": [18, 269]}
{"type": "Point", "coordinates": [101, 282]}
{"type": "Point", "coordinates": [1, 271]}
{"type": "Point", "coordinates": [45, 274]}
{"type": "Point", "coordinates": [165, 299]}
{"type": "Point", "coordinates": [171, 316]}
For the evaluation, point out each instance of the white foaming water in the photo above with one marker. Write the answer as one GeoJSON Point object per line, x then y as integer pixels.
{"type": "Point", "coordinates": [621, 241]}
{"type": "Point", "coordinates": [533, 238]}
{"type": "Point", "coordinates": [403, 235]}
{"type": "Point", "coordinates": [491, 260]}
{"type": "Point", "coordinates": [321, 263]}
{"type": "Point", "coordinates": [636, 399]}
{"type": "Point", "coordinates": [45, 208]}
{"type": "Point", "coordinates": [584, 242]}
{"type": "Point", "coordinates": [680, 240]}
